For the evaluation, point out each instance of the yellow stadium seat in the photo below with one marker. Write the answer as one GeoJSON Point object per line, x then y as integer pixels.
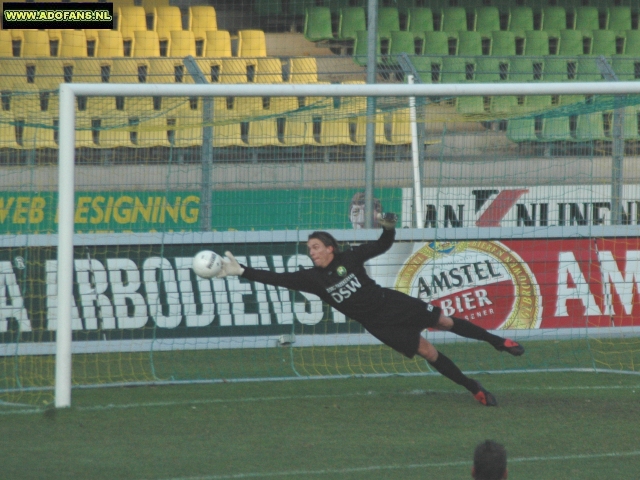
{"type": "Point", "coordinates": [85, 136]}
{"type": "Point", "coordinates": [297, 132]}
{"type": "Point", "coordinates": [251, 43]}
{"type": "Point", "coordinates": [154, 132]}
{"type": "Point", "coordinates": [303, 70]}
{"type": "Point", "coordinates": [35, 43]}
{"type": "Point", "coordinates": [230, 70]}
{"type": "Point", "coordinates": [73, 43]}
{"type": "Point", "coordinates": [115, 130]}
{"type": "Point", "coordinates": [268, 70]}
{"type": "Point", "coordinates": [203, 19]}
{"type": "Point", "coordinates": [337, 132]}
{"type": "Point", "coordinates": [228, 135]}
{"type": "Point", "coordinates": [183, 43]}
{"type": "Point", "coordinates": [217, 44]}
{"type": "Point", "coordinates": [50, 73]}
{"type": "Point", "coordinates": [7, 131]}
{"type": "Point", "coordinates": [88, 70]}
{"type": "Point", "coordinates": [128, 70]}
{"type": "Point", "coordinates": [167, 20]}
{"type": "Point", "coordinates": [40, 132]}
{"type": "Point", "coordinates": [110, 44]}
{"type": "Point", "coordinates": [263, 132]}
{"type": "Point", "coordinates": [146, 44]}
{"type": "Point", "coordinates": [131, 19]}
{"type": "Point", "coordinates": [6, 48]}
{"type": "Point", "coordinates": [150, 5]}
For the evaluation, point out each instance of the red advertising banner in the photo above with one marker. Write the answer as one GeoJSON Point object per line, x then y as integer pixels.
{"type": "Point", "coordinates": [525, 284]}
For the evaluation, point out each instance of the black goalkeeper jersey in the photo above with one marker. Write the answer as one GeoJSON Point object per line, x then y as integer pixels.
{"type": "Point", "coordinates": [345, 285]}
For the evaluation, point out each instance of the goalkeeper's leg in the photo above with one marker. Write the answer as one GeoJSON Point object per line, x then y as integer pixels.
{"type": "Point", "coordinates": [446, 367]}
{"type": "Point", "coordinates": [467, 329]}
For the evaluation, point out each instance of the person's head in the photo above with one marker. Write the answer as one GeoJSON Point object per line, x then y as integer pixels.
{"type": "Point", "coordinates": [489, 461]}
{"type": "Point", "coordinates": [322, 248]}
{"type": "Point", "coordinates": [357, 211]}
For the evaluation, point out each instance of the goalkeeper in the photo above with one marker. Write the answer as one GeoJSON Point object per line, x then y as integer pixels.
{"type": "Point", "coordinates": [396, 319]}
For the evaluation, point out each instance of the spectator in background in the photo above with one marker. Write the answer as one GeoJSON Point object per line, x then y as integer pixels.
{"type": "Point", "coordinates": [357, 211]}
{"type": "Point", "coordinates": [489, 461]}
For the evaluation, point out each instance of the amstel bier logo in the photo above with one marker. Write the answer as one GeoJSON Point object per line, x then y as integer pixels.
{"type": "Point", "coordinates": [484, 282]}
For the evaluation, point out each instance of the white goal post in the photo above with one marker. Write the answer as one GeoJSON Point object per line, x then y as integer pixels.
{"type": "Point", "coordinates": [69, 91]}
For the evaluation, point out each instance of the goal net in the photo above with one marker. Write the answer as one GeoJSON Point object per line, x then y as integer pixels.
{"type": "Point", "coordinates": [529, 219]}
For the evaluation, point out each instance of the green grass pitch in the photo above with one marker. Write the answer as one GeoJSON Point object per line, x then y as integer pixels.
{"type": "Point", "coordinates": [554, 426]}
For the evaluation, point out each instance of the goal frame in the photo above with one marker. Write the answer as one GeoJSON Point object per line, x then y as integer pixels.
{"type": "Point", "coordinates": [66, 153]}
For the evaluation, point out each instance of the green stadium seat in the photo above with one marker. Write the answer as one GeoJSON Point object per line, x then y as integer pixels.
{"type": "Point", "coordinates": [603, 42]}
{"type": "Point", "coordinates": [631, 123]}
{"type": "Point", "coordinates": [587, 19]}
{"type": "Point", "coordinates": [554, 19]}
{"type": "Point", "coordinates": [487, 19]}
{"type": "Point", "coordinates": [537, 103]}
{"type": "Point", "coordinates": [521, 130]}
{"type": "Point", "coordinates": [520, 20]}
{"type": "Point", "coordinates": [588, 70]}
{"type": "Point", "coordinates": [536, 43]}
{"type": "Point", "coordinates": [352, 20]}
{"type": "Point", "coordinates": [469, 43]}
{"type": "Point", "coordinates": [337, 5]}
{"type": "Point", "coordinates": [456, 69]}
{"type": "Point", "coordinates": [632, 42]}
{"type": "Point", "coordinates": [424, 66]}
{"type": "Point", "coordinates": [299, 7]}
{"type": "Point", "coordinates": [491, 69]}
{"type": "Point", "coordinates": [526, 69]}
{"type": "Point", "coordinates": [317, 24]}
{"type": "Point", "coordinates": [402, 42]}
{"type": "Point", "coordinates": [626, 68]}
{"type": "Point", "coordinates": [571, 43]}
{"type": "Point", "coordinates": [453, 19]}
{"type": "Point", "coordinates": [619, 19]}
{"type": "Point", "coordinates": [436, 43]}
{"type": "Point", "coordinates": [388, 21]}
{"type": "Point", "coordinates": [559, 69]}
{"type": "Point", "coordinates": [556, 129]}
{"type": "Point", "coordinates": [503, 43]}
{"type": "Point", "coordinates": [590, 127]}
{"type": "Point", "coordinates": [470, 105]}
{"type": "Point", "coordinates": [507, 105]}
{"type": "Point", "coordinates": [419, 20]}
{"type": "Point", "coordinates": [361, 49]}
{"type": "Point", "coordinates": [405, 5]}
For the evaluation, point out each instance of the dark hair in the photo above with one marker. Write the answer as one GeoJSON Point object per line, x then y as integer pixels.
{"type": "Point", "coordinates": [326, 238]}
{"type": "Point", "coordinates": [489, 461]}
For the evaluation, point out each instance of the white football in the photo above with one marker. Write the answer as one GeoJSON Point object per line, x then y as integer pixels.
{"type": "Point", "coordinates": [207, 264]}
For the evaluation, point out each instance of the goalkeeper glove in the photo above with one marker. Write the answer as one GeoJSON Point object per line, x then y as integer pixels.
{"type": "Point", "coordinates": [230, 266]}
{"type": "Point", "coordinates": [387, 220]}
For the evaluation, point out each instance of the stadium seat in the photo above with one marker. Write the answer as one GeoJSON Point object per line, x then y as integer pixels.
{"type": "Point", "coordinates": [424, 65]}
{"type": "Point", "coordinates": [8, 131]}
{"type": "Point", "coordinates": [183, 43]}
{"type": "Point", "coordinates": [188, 132]}
{"type": "Point", "coordinates": [526, 69]}
{"type": "Point", "coordinates": [317, 24]}
{"type": "Point", "coordinates": [234, 70]}
{"type": "Point", "coordinates": [536, 43]}
{"type": "Point", "coordinates": [469, 43]}
{"type": "Point", "coordinates": [587, 19]}
{"type": "Point", "coordinates": [352, 21]}
{"type": "Point", "coordinates": [87, 70]}
{"type": "Point", "coordinates": [453, 19]}
{"type": "Point", "coordinates": [51, 72]}
{"type": "Point", "coordinates": [268, 70]}
{"type": "Point", "coordinates": [627, 68]}
{"type": "Point", "coordinates": [436, 43]}
{"type": "Point", "coordinates": [632, 42]}
{"type": "Point", "coordinates": [131, 19]}
{"type": "Point", "coordinates": [35, 44]}
{"type": "Point", "coordinates": [402, 42]}
{"type": "Point", "coordinates": [419, 20]}
{"type": "Point", "coordinates": [297, 132]}
{"type": "Point", "coordinates": [146, 44]}
{"type": "Point", "coordinates": [554, 19]}
{"type": "Point", "coordinates": [167, 19]}
{"type": "Point", "coordinates": [251, 43]}
{"type": "Point", "coordinates": [126, 70]}
{"type": "Point", "coordinates": [590, 127]}
{"type": "Point", "coordinates": [556, 129]}
{"type": "Point", "coordinates": [455, 70]}
{"type": "Point", "coordinates": [6, 48]}
{"type": "Point", "coordinates": [115, 130]}
{"type": "Point", "coordinates": [388, 21]}
{"type": "Point", "coordinates": [631, 123]}
{"type": "Point", "coordinates": [520, 20]}
{"type": "Point", "coordinates": [487, 19]}
{"type": "Point", "coordinates": [559, 69]}
{"type": "Point", "coordinates": [263, 132]}
{"type": "Point", "coordinates": [217, 44]}
{"type": "Point", "coordinates": [40, 131]}
{"type": "Point", "coordinates": [338, 132]}
{"type": "Point", "coordinates": [521, 130]}
{"type": "Point", "coordinates": [619, 19]}
{"type": "Point", "coordinates": [604, 43]}
{"type": "Point", "coordinates": [73, 43]}
{"type": "Point", "coordinates": [298, 8]}
{"type": "Point", "coordinates": [154, 132]}
{"type": "Point", "coordinates": [503, 43]}
{"type": "Point", "coordinates": [470, 105]}
{"type": "Point", "coordinates": [505, 105]}
{"type": "Point", "coordinates": [571, 43]}
{"type": "Point", "coordinates": [491, 69]}
{"type": "Point", "coordinates": [162, 70]}
{"type": "Point", "coordinates": [303, 70]}
{"type": "Point", "coordinates": [227, 135]}
{"type": "Point", "coordinates": [110, 44]}
{"type": "Point", "coordinates": [361, 48]}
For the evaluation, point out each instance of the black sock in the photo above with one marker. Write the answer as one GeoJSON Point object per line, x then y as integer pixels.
{"type": "Point", "coordinates": [446, 367]}
{"type": "Point", "coordinates": [467, 329]}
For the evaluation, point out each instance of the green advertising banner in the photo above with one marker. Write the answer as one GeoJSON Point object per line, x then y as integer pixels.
{"type": "Point", "coordinates": [155, 211]}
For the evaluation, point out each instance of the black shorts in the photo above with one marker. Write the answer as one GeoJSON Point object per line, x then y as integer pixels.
{"type": "Point", "coordinates": [402, 321]}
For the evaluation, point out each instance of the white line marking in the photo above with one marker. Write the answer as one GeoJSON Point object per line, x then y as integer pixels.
{"type": "Point", "coordinates": [374, 468]}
